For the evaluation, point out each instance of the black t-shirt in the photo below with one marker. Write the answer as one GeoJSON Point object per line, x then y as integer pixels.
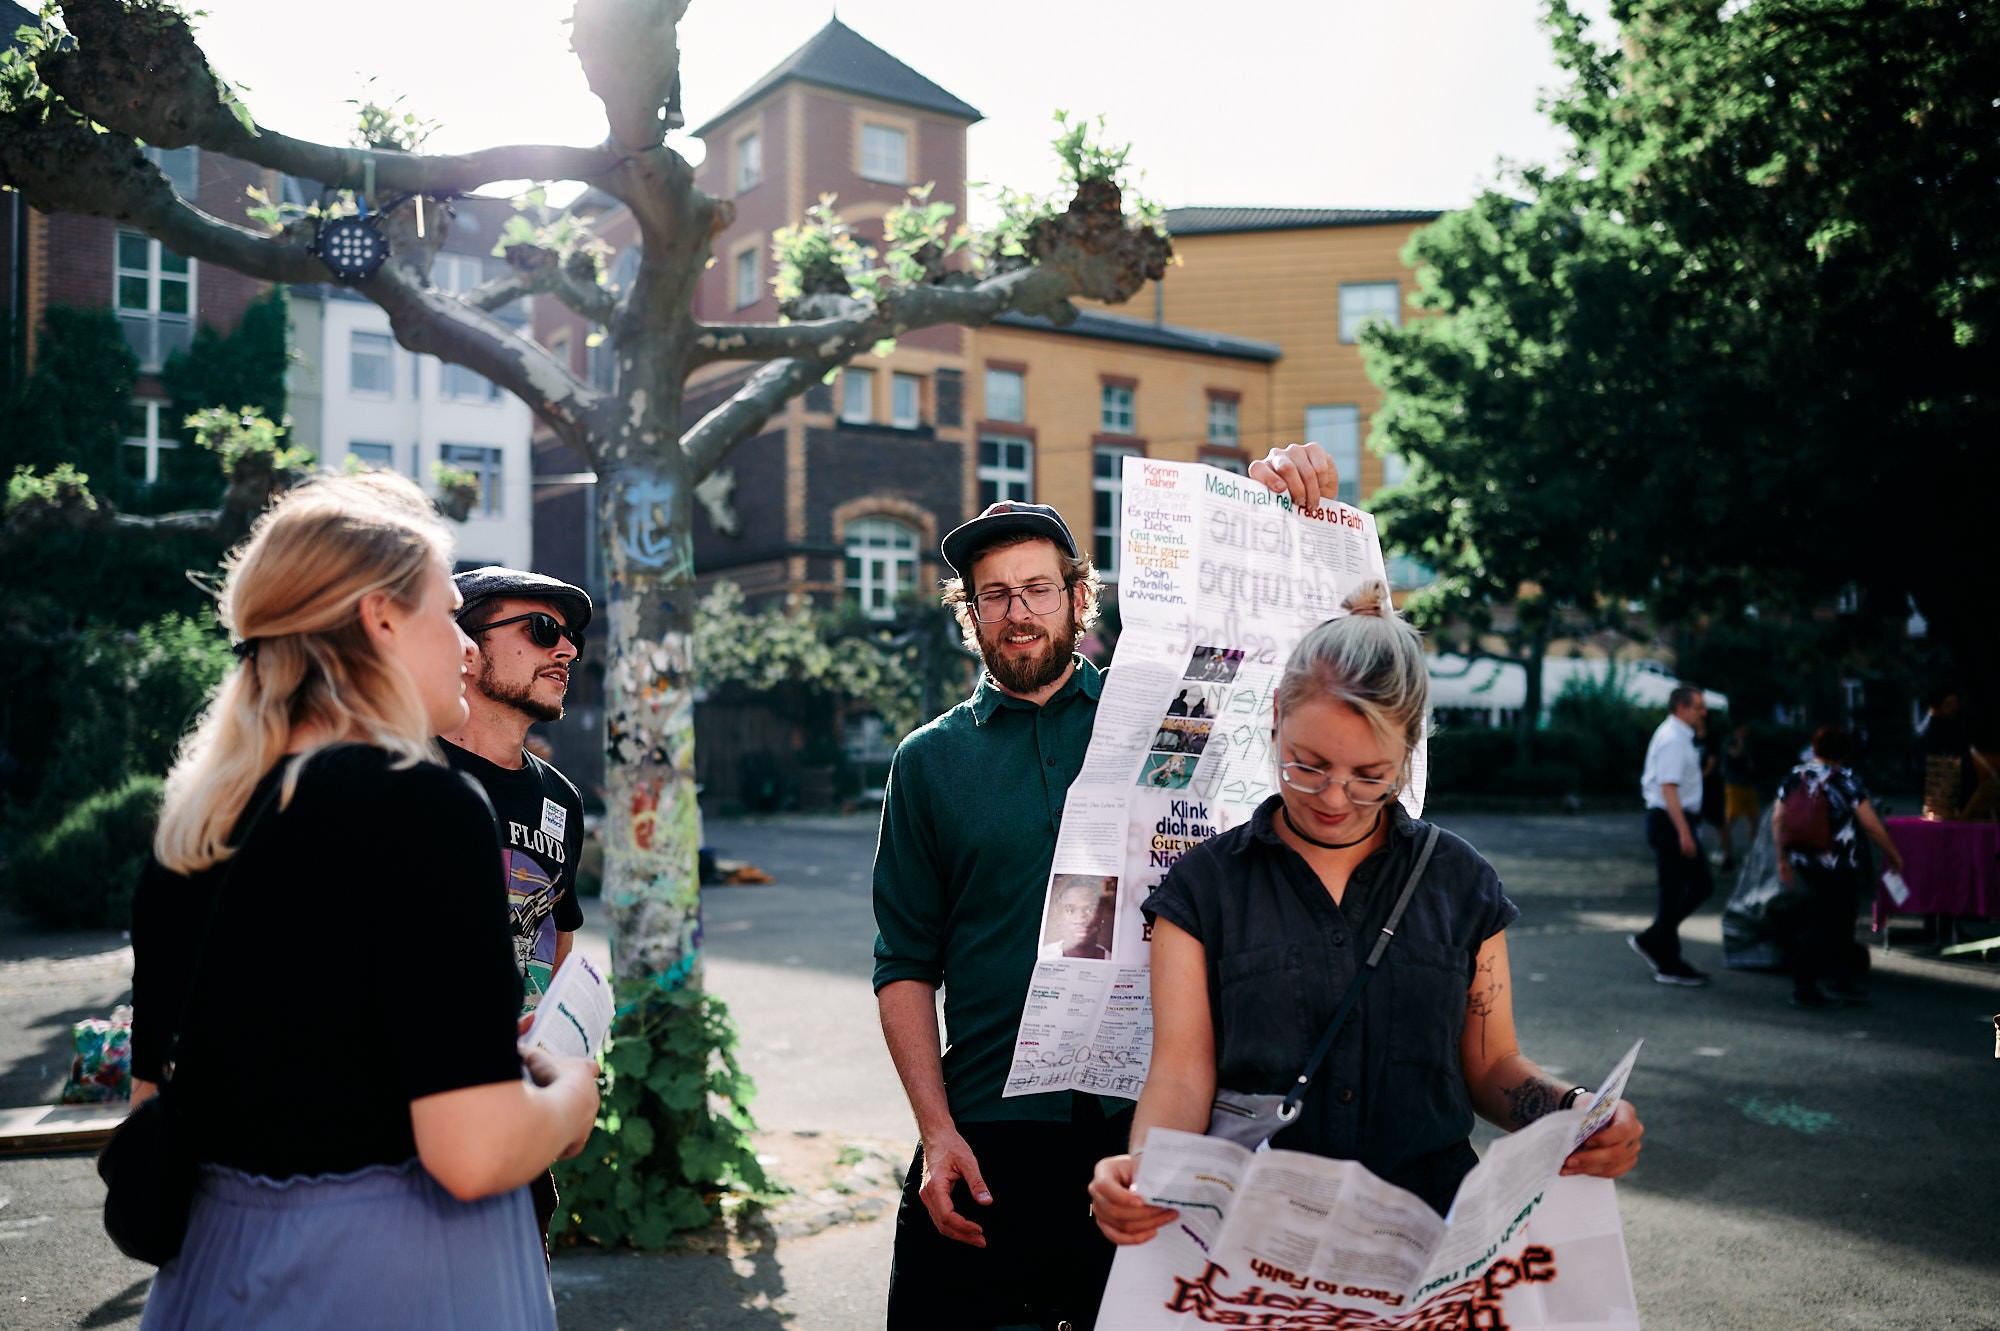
{"type": "Point", "coordinates": [541, 835]}
{"type": "Point", "coordinates": [359, 961]}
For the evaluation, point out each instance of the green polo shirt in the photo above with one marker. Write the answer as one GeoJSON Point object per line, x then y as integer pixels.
{"type": "Point", "coordinates": [968, 836]}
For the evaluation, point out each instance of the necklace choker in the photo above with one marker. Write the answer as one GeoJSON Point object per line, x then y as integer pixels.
{"type": "Point", "coordinates": [1286, 814]}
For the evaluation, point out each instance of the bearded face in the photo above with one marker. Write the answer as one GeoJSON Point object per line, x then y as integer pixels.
{"type": "Point", "coordinates": [1025, 652]}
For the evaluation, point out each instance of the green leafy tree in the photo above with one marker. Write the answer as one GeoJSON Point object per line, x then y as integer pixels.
{"type": "Point", "coordinates": [1775, 268]}
{"type": "Point", "coordinates": [71, 116]}
{"type": "Point", "coordinates": [72, 407]}
{"type": "Point", "coordinates": [240, 371]}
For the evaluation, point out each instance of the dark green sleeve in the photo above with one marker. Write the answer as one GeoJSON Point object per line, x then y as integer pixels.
{"type": "Point", "coordinates": [909, 887]}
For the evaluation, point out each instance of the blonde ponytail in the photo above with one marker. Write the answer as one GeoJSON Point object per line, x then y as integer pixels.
{"type": "Point", "coordinates": [293, 595]}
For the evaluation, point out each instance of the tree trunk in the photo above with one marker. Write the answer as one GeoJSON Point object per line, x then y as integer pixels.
{"type": "Point", "coordinates": [652, 825]}
{"type": "Point", "coordinates": [1530, 719]}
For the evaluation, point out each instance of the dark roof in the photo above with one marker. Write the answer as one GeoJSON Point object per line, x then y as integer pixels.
{"type": "Point", "coordinates": [839, 57]}
{"type": "Point", "coordinates": [1118, 328]}
{"type": "Point", "coordinates": [1214, 221]}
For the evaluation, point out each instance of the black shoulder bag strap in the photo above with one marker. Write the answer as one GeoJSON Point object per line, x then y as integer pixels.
{"type": "Point", "coordinates": [262, 807]}
{"type": "Point", "coordinates": [1289, 1110]}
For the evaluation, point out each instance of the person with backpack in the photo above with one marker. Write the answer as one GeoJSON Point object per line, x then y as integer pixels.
{"type": "Point", "coordinates": [1821, 803]}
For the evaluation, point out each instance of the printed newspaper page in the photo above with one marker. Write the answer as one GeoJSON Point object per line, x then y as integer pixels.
{"type": "Point", "coordinates": [1218, 579]}
{"type": "Point", "coordinates": [1283, 1239]}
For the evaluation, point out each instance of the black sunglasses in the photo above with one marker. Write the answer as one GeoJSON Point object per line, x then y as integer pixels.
{"type": "Point", "coordinates": [545, 629]}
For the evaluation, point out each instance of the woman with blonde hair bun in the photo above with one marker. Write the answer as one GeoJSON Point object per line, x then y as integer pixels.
{"type": "Point", "coordinates": [323, 965]}
{"type": "Point", "coordinates": [1262, 939]}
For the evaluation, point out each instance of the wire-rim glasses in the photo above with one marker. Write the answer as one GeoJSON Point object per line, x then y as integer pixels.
{"type": "Point", "coordinates": [994, 604]}
{"type": "Point", "coordinates": [1363, 792]}
{"type": "Point", "coordinates": [544, 629]}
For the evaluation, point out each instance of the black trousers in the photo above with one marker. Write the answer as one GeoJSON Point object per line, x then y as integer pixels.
{"type": "Point", "coordinates": [1683, 884]}
{"type": "Point", "coordinates": [1826, 916]}
{"type": "Point", "coordinates": [1044, 1259]}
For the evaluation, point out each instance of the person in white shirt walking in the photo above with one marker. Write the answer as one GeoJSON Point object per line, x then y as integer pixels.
{"type": "Point", "coordinates": [1671, 788]}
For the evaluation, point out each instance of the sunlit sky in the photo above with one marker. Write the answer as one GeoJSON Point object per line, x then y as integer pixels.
{"type": "Point", "coordinates": [1307, 103]}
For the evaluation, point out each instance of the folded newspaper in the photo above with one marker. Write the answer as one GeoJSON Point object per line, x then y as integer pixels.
{"type": "Point", "coordinates": [1301, 1240]}
{"type": "Point", "coordinates": [575, 1012]}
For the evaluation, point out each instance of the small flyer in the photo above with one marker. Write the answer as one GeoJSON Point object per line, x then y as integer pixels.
{"type": "Point", "coordinates": [575, 1012]}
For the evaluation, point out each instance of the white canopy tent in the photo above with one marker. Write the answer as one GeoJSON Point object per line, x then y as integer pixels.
{"type": "Point", "coordinates": [1500, 688]}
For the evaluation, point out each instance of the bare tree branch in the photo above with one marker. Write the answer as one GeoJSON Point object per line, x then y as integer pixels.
{"type": "Point", "coordinates": [436, 323]}
{"type": "Point", "coordinates": [630, 53]}
{"type": "Point", "coordinates": [709, 440]}
{"type": "Point", "coordinates": [541, 271]}
{"type": "Point", "coordinates": [138, 71]}
{"type": "Point", "coordinates": [860, 324]}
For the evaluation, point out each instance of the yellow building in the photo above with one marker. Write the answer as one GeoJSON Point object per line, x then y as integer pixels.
{"type": "Point", "coordinates": [1058, 410]}
{"type": "Point", "coordinates": [1305, 279]}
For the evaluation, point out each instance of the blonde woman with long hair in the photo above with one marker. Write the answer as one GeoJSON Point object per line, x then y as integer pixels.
{"type": "Point", "coordinates": [1261, 932]}
{"type": "Point", "coordinates": [322, 909]}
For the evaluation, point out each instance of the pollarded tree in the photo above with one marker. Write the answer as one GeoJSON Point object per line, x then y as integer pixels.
{"type": "Point", "coordinates": [71, 117]}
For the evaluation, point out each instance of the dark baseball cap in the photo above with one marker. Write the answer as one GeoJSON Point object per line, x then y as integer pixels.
{"type": "Point", "coordinates": [962, 544]}
{"type": "Point", "coordinates": [480, 585]}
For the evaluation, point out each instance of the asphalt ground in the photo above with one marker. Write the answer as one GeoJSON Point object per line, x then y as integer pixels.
{"type": "Point", "coordinates": [1802, 1170]}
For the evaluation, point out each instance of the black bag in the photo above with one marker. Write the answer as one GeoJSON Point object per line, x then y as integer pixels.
{"type": "Point", "coordinates": [149, 1176]}
{"type": "Point", "coordinates": [149, 1172]}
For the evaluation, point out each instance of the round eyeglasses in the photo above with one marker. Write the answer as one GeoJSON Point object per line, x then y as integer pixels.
{"type": "Point", "coordinates": [993, 605]}
{"type": "Point", "coordinates": [544, 630]}
{"type": "Point", "coordinates": [1363, 792]}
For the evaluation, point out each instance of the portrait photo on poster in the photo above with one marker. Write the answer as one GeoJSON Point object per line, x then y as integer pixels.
{"type": "Point", "coordinates": [1080, 912]}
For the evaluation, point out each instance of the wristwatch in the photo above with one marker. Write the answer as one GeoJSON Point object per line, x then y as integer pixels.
{"type": "Point", "coordinates": [1571, 1096]}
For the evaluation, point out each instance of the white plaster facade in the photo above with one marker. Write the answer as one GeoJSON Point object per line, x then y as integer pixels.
{"type": "Point", "coordinates": [393, 408]}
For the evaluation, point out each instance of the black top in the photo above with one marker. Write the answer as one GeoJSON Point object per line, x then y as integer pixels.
{"type": "Point", "coordinates": [360, 960]}
{"type": "Point", "coordinates": [1280, 953]}
{"type": "Point", "coordinates": [541, 835]}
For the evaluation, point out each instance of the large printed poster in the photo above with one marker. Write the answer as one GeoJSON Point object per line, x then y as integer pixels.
{"type": "Point", "coordinates": [1219, 577]}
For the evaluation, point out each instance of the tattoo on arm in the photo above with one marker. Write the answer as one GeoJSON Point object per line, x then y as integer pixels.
{"type": "Point", "coordinates": [1483, 999]}
{"type": "Point", "coordinates": [1531, 1100]}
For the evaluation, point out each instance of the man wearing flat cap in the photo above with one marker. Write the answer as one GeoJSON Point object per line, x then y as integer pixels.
{"type": "Point", "coordinates": [994, 1229]}
{"type": "Point", "coordinates": [528, 632]}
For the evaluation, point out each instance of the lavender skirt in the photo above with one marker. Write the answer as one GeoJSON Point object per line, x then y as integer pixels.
{"type": "Point", "coordinates": [385, 1246]}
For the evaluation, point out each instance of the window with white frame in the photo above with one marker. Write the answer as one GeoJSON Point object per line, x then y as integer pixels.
{"type": "Point", "coordinates": [906, 393]}
{"type": "Point", "coordinates": [1364, 302]}
{"type": "Point", "coordinates": [1337, 429]}
{"type": "Point", "coordinates": [749, 161]}
{"type": "Point", "coordinates": [457, 273]}
{"type": "Point", "coordinates": [1005, 469]}
{"type": "Point", "coordinates": [483, 463]}
{"type": "Point", "coordinates": [885, 154]}
{"type": "Point", "coordinates": [881, 564]}
{"type": "Point", "coordinates": [1229, 462]}
{"type": "Point", "coordinates": [746, 277]}
{"type": "Point", "coordinates": [1116, 413]}
{"type": "Point", "coordinates": [373, 457]}
{"type": "Point", "coordinates": [1107, 519]}
{"type": "Point", "coordinates": [1006, 395]}
{"type": "Point", "coordinates": [463, 385]}
{"type": "Point", "coordinates": [857, 396]}
{"type": "Point", "coordinates": [1224, 429]}
{"type": "Point", "coordinates": [144, 441]}
{"type": "Point", "coordinates": [371, 366]}
{"type": "Point", "coordinates": [179, 166]}
{"type": "Point", "coordinates": [155, 295]}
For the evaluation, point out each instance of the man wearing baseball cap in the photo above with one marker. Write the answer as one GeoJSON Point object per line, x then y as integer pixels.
{"type": "Point", "coordinates": [994, 1228]}
{"type": "Point", "coordinates": [528, 629]}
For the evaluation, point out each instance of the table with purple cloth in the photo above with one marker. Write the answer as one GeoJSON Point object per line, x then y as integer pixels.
{"type": "Point", "coordinates": [1951, 869]}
